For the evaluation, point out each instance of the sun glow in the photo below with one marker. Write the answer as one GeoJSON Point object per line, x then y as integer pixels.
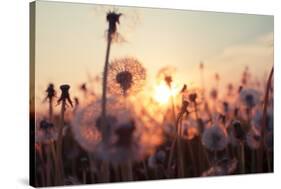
{"type": "Point", "coordinates": [162, 93]}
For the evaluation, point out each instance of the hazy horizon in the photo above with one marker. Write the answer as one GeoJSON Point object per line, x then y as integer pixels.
{"type": "Point", "coordinates": [70, 43]}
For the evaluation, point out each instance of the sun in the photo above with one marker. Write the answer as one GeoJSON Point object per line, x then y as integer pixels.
{"type": "Point", "coordinates": [162, 93]}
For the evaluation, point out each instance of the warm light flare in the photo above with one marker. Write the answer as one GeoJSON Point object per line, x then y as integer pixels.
{"type": "Point", "coordinates": [162, 93]}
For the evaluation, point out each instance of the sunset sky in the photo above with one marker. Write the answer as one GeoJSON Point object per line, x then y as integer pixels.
{"type": "Point", "coordinates": [70, 42]}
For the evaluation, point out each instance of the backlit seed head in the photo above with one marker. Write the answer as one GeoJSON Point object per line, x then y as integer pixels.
{"type": "Point", "coordinates": [126, 76]}
{"type": "Point", "coordinates": [112, 19]}
{"type": "Point", "coordinates": [65, 94]}
{"type": "Point", "coordinates": [50, 92]}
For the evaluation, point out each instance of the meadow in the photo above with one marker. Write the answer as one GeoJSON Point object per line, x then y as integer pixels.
{"type": "Point", "coordinates": [123, 133]}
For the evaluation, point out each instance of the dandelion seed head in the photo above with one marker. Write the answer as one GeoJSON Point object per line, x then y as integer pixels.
{"type": "Point", "coordinates": [65, 94]}
{"type": "Point", "coordinates": [253, 138]}
{"type": "Point", "coordinates": [189, 129]}
{"type": "Point", "coordinates": [214, 93]}
{"type": "Point", "coordinates": [51, 93]}
{"type": "Point", "coordinates": [192, 97]}
{"type": "Point", "coordinates": [214, 138]}
{"type": "Point", "coordinates": [112, 19]}
{"type": "Point", "coordinates": [45, 132]}
{"type": "Point", "coordinates": [157, 159]}
{"type": "Point", "coordinates": [237, 130]}
{"type": "Point", "coordinates": [126, 76]}
{"type": "Point", "coordinates": [249, 97]}
{"type": "Point", "coordinates": [224, 167]}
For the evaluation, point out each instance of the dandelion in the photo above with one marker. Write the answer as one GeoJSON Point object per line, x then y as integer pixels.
{"type": "Point", "coordinates": [193, 97]}
{"type": "Point", "coordinates": [249, 97]}
{"type": "Point", "coordinates": [112, 19]}
{"type": "Point", "coordinates": [65, 97]}
{"type": "Point", "coordinates": [214, 138]}
{"type": "Point", "coordinates": [253, 139]}
{"type": "Point", "coordinates": [238, 131]}
{"type": "Point", "coordinates": [63, 100]}
{"type": "Point", "coordinates": [189, 129]}
{"type": "Point", "coordinates": [51, 93]}
{"type": "Point", "coordinates": [223, 167]}
{"type": "Point", "coordinates": [129, 138]}
{"type": "Point", "coordinates": [230, 89]}
{"type": "Point", "coordinates": [257, 119]}
{"type": "Point", "coordinates": [45, 132]}
{"type": "Point", "coordinates": [166, 74]}
{"type": "Point", "coordinates": [157, 159]}
{"type": "Point", "coordinates": [237, 137]}
{"type": "Point", "coordinates": [214, 94]}
{"type": "Point", "coordinates": [126, 76]}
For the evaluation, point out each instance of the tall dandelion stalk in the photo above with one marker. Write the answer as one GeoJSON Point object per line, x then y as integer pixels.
{"type": "Point", "coordinates": [264, 120]}
{"type": "Point", "coordinates": [112, 19]}
{"type": "Point", "coordinates": [64, 99]}
{"type": "Point", "coordinates": [50, 97]}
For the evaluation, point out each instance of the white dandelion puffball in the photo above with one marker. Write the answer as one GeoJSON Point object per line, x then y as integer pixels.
{"type": "Point", "coordinates": [45, 132]}
{"type": "Point", "coordinates": [249, 97]}
{"type": "Point", "coordinates": [253, 138]}
{"type": "Point", "coordinates": [214, 138]}
{"type": "Point", "coordinates": [129, 138]}
{"type": "Point", "coordinates": [225, 167]}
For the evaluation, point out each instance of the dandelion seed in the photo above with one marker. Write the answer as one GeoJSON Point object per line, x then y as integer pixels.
{"type": "Point", "coordinates": [126, 76]}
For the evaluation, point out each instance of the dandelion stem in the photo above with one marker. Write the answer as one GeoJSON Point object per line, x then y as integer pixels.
{"type": "Point", "coordinates": [51, 110]}
{"type": "Point", "coordinates": [104, 85]}
{"type": "Point", "coordinates": [253, 155]}
{"type": "Point", "coordinates": [264, 120]}
{"type": "Point", "coordinates": [242, 158]}
{"type": "Point", "coordinates": [268, 157]}
{"type": "Point", "coordinates": [54, 154]}
{"type": "Point", "coordinates": [60, 138]}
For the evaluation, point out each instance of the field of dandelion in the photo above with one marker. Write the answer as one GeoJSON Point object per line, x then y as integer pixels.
{"type": "Point", "coordinates": [113, 130]}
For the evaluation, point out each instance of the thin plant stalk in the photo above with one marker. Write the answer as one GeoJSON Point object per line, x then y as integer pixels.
{"type": "Point", "coordinates": [42, 170]}
{"type": "Point", "coordinates": [253, 160]}
{"type": "Point", "coordinates": [104, 84]}
{"type": "Point", "coordinates": [264, 120]}
{"type": "Point", "coordinates": [60, 138]}
{"type": "Point", "coordinates": [242, 153]}
{"type": "Point", "coordinates": [54, 155]}
{"type": "Point", "coordinates": [268, 158]}
{"type": "Point", "coordinates": [51, 109]}
{"type": "Point", "coordinates": [92, 165]}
